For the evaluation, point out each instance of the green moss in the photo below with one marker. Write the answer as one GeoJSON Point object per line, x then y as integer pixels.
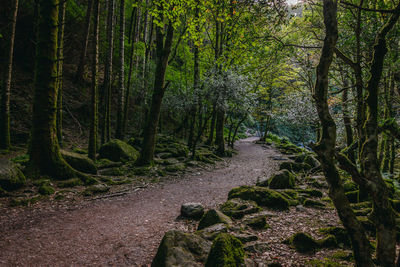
{"type": "Point", "coordinates": [340, 234]}
{"type": "Point", "coordinates": [282, 180]}
{"type": "Point", "coordinates": [69, 183]}
{"type": "Point", "coordinates": [11, 177]}
{"type": "Point", "coordinates": [396, 205]}
{"type": "Point", "coordinates": [212, 217]}
{"type": "Point", "coordinates": [41, 181]}
{"type": "Point", "coordinates": [226, 251]}
{"type": "Point", "coordinates": [46, 190]}
{"type": "Point", "coordinates": [80, 150]}
{"type": "Point", "coordinates": [22, 159]}
{"type": "Point", "coordinates": [328, 242]}
{"type": "Point", "coordinates": [24, 201]}
{"type": "Point", "coordinates": [311, 192]}
{"type": "Point", "coordinates": [262, 196]}
{"type": "Point", "coordinates": [236, 208]}
{"type": "Point", "coordinates": [79, 162]}
{"type": "Point", "coordinates": [117, 150]}
{"type": "Point", "coordinates": [106, 163]}
{"type": "Point", "coordinates": [313, 203]}
{"type": "Point", "coordinates": [352, 196]}
{"type": "Point", "coordinates": [303, 243]}
{"type": "Point", "coordinates": [363, 212]}
{"type": "Point", "coordinates": [176, 167]}
{"type": "Point", "coordinates": [349, 186]}
{"type": "Point", "coordinates": [291, 193]}
{"type": "Point", "coordinates": [342, 255]}
{"type": "Point", "coordinates": [367, 224]}
{"type": "Point", "coordinates": [113, 172]}
{"type": "Point", "coordinates": [323, 263]}
{"type": "Point", "coordinates": [257, 222]}
{"type": "Point", "coordinates": [361, 205]}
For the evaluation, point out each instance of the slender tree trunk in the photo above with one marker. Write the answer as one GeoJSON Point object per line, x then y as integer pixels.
{"type": "Point", "coordinates": [325, 148]}
{"type": "Point", "coordinates": [210, 140]}
{"type": "Point", "coordinates": [105, 131]}
{"type": "Point", "coordinates": [347, 123]}
{"type": "Point", "coordinates": [60, 62]}
{"type": "Point", "coordinates": [121, 102]}
{"type": "Point", "coordinates": [82, 58]}
{"type": "Point", "coordinates": [236, 130]}
{"type": "Point", "coordinates": [385, 218]}
{"type": "Point", "coordinates": [94, 88]}
{"type": "Point", "coordinates": [219, 131]}
{"type": "Point", "coordinates": [150, 130]}
{"type": "Point", "coordinates": [45, 157]}
{"type": "Point", "coordinates": [5, 142]}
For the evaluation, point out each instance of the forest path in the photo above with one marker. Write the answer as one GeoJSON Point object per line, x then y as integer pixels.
{"type": "Point", "coordinates": [126, 230]}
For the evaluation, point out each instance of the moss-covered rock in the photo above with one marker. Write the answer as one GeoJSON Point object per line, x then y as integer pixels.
{"type": "Point", "coordinates": [262, 196]}
{"type": "Point", "coordinates": [294, 166]}
{"type": "Point", "coordinates": [257, 222]}
{"type": "Point", "coordinates": [211, 232]}
{"type": "Point", "coordinates": [175, 168]}
{"type": "Point", "coordinates": [303, 243]}
{"type": "Point", "coordinates": [181, 249]}
{"type": "Point", "coordinates": [226, 251]}
{"type": "Point", "coordinates": [46, 190]}
{"type": "Point", "coordinates": [11, 177]}
{"type": "Point", "coordinates": [339, 233]}
{"type": "Point", "coordinates": [69, 183]}
{"type": "Point", "coordinates": [349, 186]}
{"type": "Point", "coordinates": [328, 242]}
{"type": "Point", "coordinates": [212, 217]}
{"type": "Point", "coordinates": [170, 161]}
{"type": "Point", "coordinates": [192, 210]}
{"type": "Point", "coordinates": [236, 208]}
{"type": "Point", "coordinates": [361, 205]}
{"type": "Point", "coordinates": [306, 158]}
{"type": "Point", "coordinates": [117, 150]}
{"type": "Point", "coordinates": [284, 179]}
{"type": "Point", "coordinates": [106, 163]}
{"type": "Point", "coordinates": [79, 162]}
{"type": "Point", "coordinates": [311, 203]}
{"type": "Point", "coordinates": [363, 212]}
{"type": "Point", "coordinates": [311, 192]}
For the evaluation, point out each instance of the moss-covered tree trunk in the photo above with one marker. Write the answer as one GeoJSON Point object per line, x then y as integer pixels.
{"type": "Point", "coordinates": [384, 215]}
{"type": "Point", "coordinates": [5, 142]}
{"type": "Point", "coordinates": [60, 62]}
{"type": "Point", "coordinates": [92, 150]}
{"type": "Point", "coordinates": [325, 148]}
{"type": "Point", "coordinates": [82, 58]}
{"type": "Point", "coordinates": [121, 79]}
{"type": "Point", "coordinates": [108, 69]}
{"type": "Point", "coordinates": [44, 152]}
{"type": "Point", "coordinates": [164, 45]}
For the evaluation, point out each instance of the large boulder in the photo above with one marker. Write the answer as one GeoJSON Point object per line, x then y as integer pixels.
{"type": "Point", "coordinates": [117, 150]}
{"type": "Point", "coordinates": [295, 166]}
{"type": "Point", "coordinates": [303, 243]}
{"type": "Point", "coordinates": [306, 158]}
{"type": "Point", "coordinates": [262, 196]}
{"type": "Point", "coordinates": [11, 177]}
{"type": "Point", "coordinates": [79, 162]}
{"type": "Point", "coordinates": [192, 210]}
{"type": "Point", "coordinates": [236, 208]}
{"type": "Point", "coordinates": [212, 217]}
{"type": "Point", "coordinates": [226, 251]}
{"type": "Point", "coordinates": [181, 249]}
{"type": "Point", "coordinates": [284, 179]}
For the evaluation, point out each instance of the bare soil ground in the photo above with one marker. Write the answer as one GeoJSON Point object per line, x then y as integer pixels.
{"type": "Point", "coordinates": [125, 230]}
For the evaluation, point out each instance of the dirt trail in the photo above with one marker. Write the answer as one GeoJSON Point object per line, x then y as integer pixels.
{"type": "Point", "coordinates": [123, 231]}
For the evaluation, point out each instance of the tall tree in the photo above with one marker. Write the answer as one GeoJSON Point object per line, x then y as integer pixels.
{"type": "Point", "coordinates": [164, 38]}
{"type": "Point", "coordinates": [6, 88]}
{"type": "Point", "coordinates": [107, 84]}
{"type": "Point", "coordinates": [82, 58]}
{"type": "Point", "coordinates": [60, 61]}
{"type": "Point", "coordinates": [325, 148]}
{"type": "Point", "coordinates": [44, 153]}
{"type": "Point", "coordinates": [121, 82]}
{"type": "Point", "coordinates": [94, 89]}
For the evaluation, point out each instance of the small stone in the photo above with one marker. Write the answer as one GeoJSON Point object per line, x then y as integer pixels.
{"type": "Point", "coordinates": [257, 222]}
{"type": "Point", "coordinates": [192, 210]}
{"type": "Point", "coordinates": [212, 217]}
{"type": "Point", "coordinates": [300, 208]}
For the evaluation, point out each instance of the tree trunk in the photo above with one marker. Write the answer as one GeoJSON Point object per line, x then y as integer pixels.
{"type": "Point", "coordinates": [92, 149]}
{"type": "Point", "coordinates": [82, 58]}
{"type": "Point", "coordinates": [121, 100]}
{"type": "Point", "coordinates": [219, 131]}
{"type": "Point", "coordinates": [60, 62]}
{"type": "Point", "coordinates": [45, 157]}
{"type": "Point", "coordinates": [5, 142]}
{"type": "Point", "coordinates": [210, 140]}
{"type": "Point", "coordinates": [347, 123]}
{"type": "Point", "coordinates": [105, 131]}
{"type": "Point", "coordinates": [385, 218]}
{"type": "Point", "coordinates": [325, 148]}
{"type": "Point", "coordinates": [150, 130]}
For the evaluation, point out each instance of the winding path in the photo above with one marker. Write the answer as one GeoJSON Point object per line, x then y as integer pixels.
{"type": "Point", "coordinates": [123, 231]}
